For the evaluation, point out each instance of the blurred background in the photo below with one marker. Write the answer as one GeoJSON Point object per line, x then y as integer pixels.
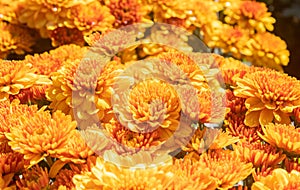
{"type": "Point", "coordinates": [287, 26]}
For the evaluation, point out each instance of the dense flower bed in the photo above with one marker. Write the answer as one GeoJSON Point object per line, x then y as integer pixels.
{"type": "Point", "coordinates": [123, 94]}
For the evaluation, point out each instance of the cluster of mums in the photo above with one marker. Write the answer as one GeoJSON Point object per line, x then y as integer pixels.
{"type": "Point", "coordinates": [77, 112]}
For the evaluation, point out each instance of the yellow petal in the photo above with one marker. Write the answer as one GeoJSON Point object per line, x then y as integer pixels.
{"type": "Point", "coordinates": [266, 117]}
{"type": "Point", "coordinates": [252, 118]}
{"type": "Point", "coordinates": [254, 104]}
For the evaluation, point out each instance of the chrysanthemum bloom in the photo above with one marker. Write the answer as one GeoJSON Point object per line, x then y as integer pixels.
{"type": "Point", "coordinates": [17, 75]}
{"type": "Point", "coordinates": [46, 15]}
{"type": "Point", "coordinates": [230, 39]}
{"type": "Point", "coordinates": [34, 178]}
{"type": "Point", "coordinates": [232, 69]}
{"type": "Point", "coordinates": [262, 172]}
{"type": "Point", "coordinates": [90, 18]}
{"type": "Point", "coordinates": [10, 113]}
{"type": "Point", "coordinates": [12, 162]}
{"type": "Point", "coordinates": [259, 153]}
{"type": "Point", "coordinates": [130, 138]}
{"type": "Point", "coordinates": [33, 95]}
{"type": "Point", "coordinates": [41, 134]}
{"type": "Point", "coordinates": [153, 106]}
{"type": "Point", "coordinates": [278, 179]}
{"type": "Point", "coordinates": [192, 175]}
{"type": "Point", "coordinates": [226, 167]}
{"type": "Point", "coordinates": [292, 164]}
{"type": "Point", "coordinates": [251, 15]}
{"type": "Point", "coordinates": [63, 35]}
{"type": "Point", "coordinates": [76, 149]}
{"type": "Point", "coordinates": [48, 63]}
{"type": "Point", "coordinates": [15, 38]}
{"type": "Point", "coordinates": [5, 182]}
{"type": "Point", "coordinates": [270, 96]}
{"type": "Point", "coordinates": [105, 175]}
{"type": "Point", "coordinates": [268, 50]}
{"type": "Point", "coordinates": [283, 136]}
{"type": "Point", "coordinates": [127, 12]}
{"type": "Point", "coordinates": [64, 178]}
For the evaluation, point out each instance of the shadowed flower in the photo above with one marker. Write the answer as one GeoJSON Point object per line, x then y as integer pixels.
{"type": "Point", "coordinates": [63, 35]}
{"type": "Point", "coordinates": [251, 15]}
{"type": "Point", "coordinates": [15, 39]}
{"type": "Point", "coordinates": [192, 175]}
{"type": "Point", "coordinates": [12, 162]}
{"type": "Point", "coordinates": [33, 95]}
{"type": "Point", "coordinates": [285, 137]}
{"type": "Point", "coordinates": [259, 153]}
{"type": "Point", "coordinates": [90, 18]}
{"type": "Point", "coordinates": [5, 182]}
{"type": "Point", "coordinates": [108, 176]}
{"type": "Point", "coordinates": [226, 167]}
{"type": "Point", "coordinates": [268, 50]}
{"type": "Point", "coordinates": [277, 180]}
{"type": "Point", "coordinates": [64, 178]}
{"type": "Point", "coordinates": [270, 96]}
{"type": "Point", "coordinates": [297, 114]}
{"type": "Point", "coordinates": [127, 12]}
{"type": "Point", "coordinates": [40, 135]}
{"type": "Point", "coordinates": [17, 75]}
{"type": "Point", "coordinates": [35, 178]}
{"type": "Point", "coordinates": [292, 164]}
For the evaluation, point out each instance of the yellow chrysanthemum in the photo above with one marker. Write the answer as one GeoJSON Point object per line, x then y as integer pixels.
{"type": "Point", "coordinates": [230, 39]}
{"type": "Point", "coordinates": [277, 180]}
{"type": "Point", "coordinates": [8, 10]}
{"type": "Point", "coordinates": [250, 15]}
{"type": "Point", "coordinates": [35, 178]}
{"type": "Point", "coordinates": [268, 50]}
{"type": "Point", "coordinates": [15, 39]}
{"type": "Point", "coordinates": [47, 15]}
{"type": "Point", "coordinates": [226, 167]}
{"type": "Point", "coordinates": [285, 137]}
{"type": "Point", "coordinates": [40, 135]}
{"type": "Point", "coordinates": [192, 175]}
{"type": "Point", "coordinates": [259, 154]}
{"type": "Point", "coordinates": [17, 75]}
{"type": "Point", "coordinates": [90, 17]}
{"type": "Point", "coordinates": [270, 96]}
{"type": "Point", "coordinates": [108, 176]}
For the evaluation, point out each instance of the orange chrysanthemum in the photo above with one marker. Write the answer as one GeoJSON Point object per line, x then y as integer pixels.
{"type": "Point", "coordinates": [63, 35]}
{"type": "Point", "coordinates": [250, 15]}
{"type": "Point", "coordinates": [270, 96]}
{"type": "Point", "coordinates": [127, 12]}
{"type": "Point", "coordinates": [297, 114]}
{"type": "Point", "coordinates": [46, 15]}
{"type": "Point", "coordinates": [285, 137]}
{"type": "Point", "coordinates": [268, 50]}
{"type": "Point", "coordinates": [278, 179]}
{"type": "Point", "coordinates": [64, 178]}
{"type": "Point", "coordinates": [40, 135]}
{"type": "Point", "coordinates": [226, 167]}
{"type": "Point", "coordinates": [33, 95]}
{"type": "Point", "coordinates": [10, 113]}
{"type": "Point", "coordinates": [15, 39]}
{"type": "Point", "coordinates": [76, 149]}
{"type": "Point", "coordinates": [17, 75]}
{"type": "Point", "coordinates": [90, 18]}
{"type": "Point", "coordinates": [108, 176]}
{"type": "Point", "coordinates": [35, 178]}
{"type": "Point", "coordinates": [192, 175]}
{"type": "Point", "coordinates": [12, 162]}
{"type": "Point", "coordinates": [259, 154]}
{"type": "Point", "coordinates": [74, 87]}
